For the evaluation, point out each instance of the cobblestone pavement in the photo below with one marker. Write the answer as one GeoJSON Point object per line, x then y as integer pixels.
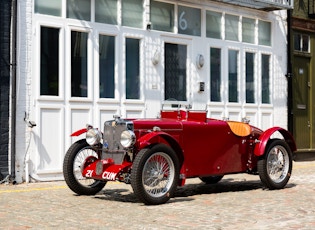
{"type": "Point", "coordinates": [237, 202]}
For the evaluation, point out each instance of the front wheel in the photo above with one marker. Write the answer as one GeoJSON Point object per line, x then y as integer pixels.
{"type": "Point", "coordinates": [79, 155]}
{"type": "Point", "coordinates": [154, 175]}
{"type": "Point", "coordinates": [275, 166]}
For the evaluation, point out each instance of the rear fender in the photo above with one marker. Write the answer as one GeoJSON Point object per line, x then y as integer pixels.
{"type": "Point", "coordinates": [266, 136]}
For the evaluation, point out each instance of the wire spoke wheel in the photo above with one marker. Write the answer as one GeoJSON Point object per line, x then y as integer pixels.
{"type": "Point", "coordinates": [275, 166]}
{"type": "Point", "coordinates": [155, 174]}
{"type": "Point", "coordinates": [278, 163]}
{"type": "Point", "coordinates": [83, 158]}
{"type": "Point", "coordinates": [158, 174]}
{"type": "Point", "coordinates": [79, 156]}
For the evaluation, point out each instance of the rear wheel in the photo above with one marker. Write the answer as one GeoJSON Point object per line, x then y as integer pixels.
{"type": "Point", "coordinates": [79, 155]}
{"type": "Point", "coordinates": [275, 166]}
{"type": "Point", "coordinates": [155, 174]}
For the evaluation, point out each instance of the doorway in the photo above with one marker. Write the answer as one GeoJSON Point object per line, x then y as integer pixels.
{"type": "Point", "coordinates": [175, 72]}
{"type": "Point", "coordinates": [303, 124]}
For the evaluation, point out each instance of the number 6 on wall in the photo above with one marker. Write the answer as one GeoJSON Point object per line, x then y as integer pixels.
{"type": "Point", "coordinates": [182, 21]}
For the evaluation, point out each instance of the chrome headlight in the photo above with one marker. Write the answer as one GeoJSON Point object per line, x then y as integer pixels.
{"type": "Point", "coordinates": [93, 136]}
{"type": "Point", "coordinates": [127, 138]}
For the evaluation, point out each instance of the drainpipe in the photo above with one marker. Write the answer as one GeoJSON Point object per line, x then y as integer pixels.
{"type": "Point", "coordinates": [13, 93]}
{"type": "Point", "coordinates": [289, 71]}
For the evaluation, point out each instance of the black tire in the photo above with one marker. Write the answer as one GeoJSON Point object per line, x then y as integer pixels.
{"type": "Point", "coordinates": [211, 179]}
{"type": "Point", "coordinates": [155, 174]}
{"type": "Point", "coordinates": [73, 161]}
{"type": "Point", "coordinates": [275, 166]}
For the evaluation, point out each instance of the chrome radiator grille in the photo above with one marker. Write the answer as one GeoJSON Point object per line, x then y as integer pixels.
{"type": "Point", "coordinates": [111, 145]}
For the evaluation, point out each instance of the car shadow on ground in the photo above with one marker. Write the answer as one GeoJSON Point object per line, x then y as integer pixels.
{"type": "Point", "coordinates": [225, 185]}
{"type": "Point", "coordinates": [121, 195]}
{"type": "Point", "coordinates": [188, 191]}
{"type": "Point", "coordinates": [221, 187]}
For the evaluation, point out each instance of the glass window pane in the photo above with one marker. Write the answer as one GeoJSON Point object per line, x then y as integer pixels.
{"type": "Point", "coordinates": [162, 16]}
{"type": "Point", "coordinates": [214, 24]}
{"type": "Point", "coordinates": [301, 42]}
{"type": "Point", "coordinates": [248, 30]}
{"type": "Point", "coordinates": [265, 78]}
{"type": "Point", "coordinates": [107, 66]}
{"type": "Point", "coordinates": [215, 74]}
{"type": "Point", "coordinates": [231, 27]}
{"type": "Point", "coordinates": [175, 71]}
{"type": "Point", "coordinates": [189, 21]}
{"type": "Point", "coordinates": [132, 13]}
{"type": "Point", "coordinates": [132, 68]}
{"type": "Point", "coordinates": [106, 11]}
{"type": "Point", "coordinates": [48, 7]}
{"type": "Point", "coordinates": [49, 61]}
{"type": "Point", "coordinates": [264, 33]}
{"type": "Point", "coordinates": [79, 64]}
{"type": "Point", "coordinates": [79, 9]}
{"type": "Point", "coordinates": [250, 85]}
{"type": "Point", "coordinates": [233, 76]}
{"type": "Point", "coordinates": [297, 42]}
{"type": "Point", "coordinates": [305, 43]}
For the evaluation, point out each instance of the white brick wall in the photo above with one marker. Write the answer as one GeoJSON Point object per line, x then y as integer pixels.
{"type": "Point", "coordinates": [280, 91]}
{"type": "Point", "coordinates": [24, 74]}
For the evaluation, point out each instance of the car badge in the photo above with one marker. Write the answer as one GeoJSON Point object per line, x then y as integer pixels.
{"type": "Point", "coordinates": [99, 168]}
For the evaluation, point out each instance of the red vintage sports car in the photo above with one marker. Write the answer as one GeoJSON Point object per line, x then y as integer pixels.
{"type": "Point", "coordinates": [157, 155]}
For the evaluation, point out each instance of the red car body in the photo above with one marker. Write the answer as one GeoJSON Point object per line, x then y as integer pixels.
{"type": "Point", "coordinates": [204, 147]}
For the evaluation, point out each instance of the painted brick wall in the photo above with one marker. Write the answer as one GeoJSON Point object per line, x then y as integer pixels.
{"type": "Point", "coordinates": [5, 17]}
{"type": "Point", "coordinates": [24, 73]}
{"type": "Point", "coordinates": [280, 86]}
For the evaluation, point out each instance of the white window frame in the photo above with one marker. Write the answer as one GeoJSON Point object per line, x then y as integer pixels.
{"type": "Point", "coordinates": [37, 56]}
{"type": "Point", "coordinates": [90, 60]}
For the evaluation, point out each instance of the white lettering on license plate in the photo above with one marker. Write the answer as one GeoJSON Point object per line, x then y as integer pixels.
{"type": "Point", "coordinates": [89, 173]}
{"type": "Point", "coordinates": [109, 175]}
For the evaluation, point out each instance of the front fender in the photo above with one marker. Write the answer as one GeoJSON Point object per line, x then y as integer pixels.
{"type": "Point", "coordinates": [78, 132]}
{"type": "Point", "coordinates": [157, 137]}
{"type": "Point", "coordinates": [265, 137]}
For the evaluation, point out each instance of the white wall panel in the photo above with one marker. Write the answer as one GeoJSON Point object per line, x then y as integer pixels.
{"type": "Point", "coordinates": [50, 146]}
{"type": "Point", "coordinates": [106, 115]}
{"type": "Point", "coordinates": [79, 119]}
{"type": "Point", "coordinates": [134, 113]}
{"type": "Point", "coordinates": [252, 117]}
{"type": "Point", "coordinates": [234, 116]}
{"type": "Point", "coordinates": [216, 114]}
{"type": "Point", "coordinates": [266, 121]}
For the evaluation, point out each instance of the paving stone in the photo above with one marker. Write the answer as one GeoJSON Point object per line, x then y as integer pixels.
{"type": "Point", "coordinates": [237, 202]}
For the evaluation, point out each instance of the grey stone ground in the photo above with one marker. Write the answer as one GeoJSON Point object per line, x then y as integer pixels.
{"type": "Point", "coordinates": [237, 202]}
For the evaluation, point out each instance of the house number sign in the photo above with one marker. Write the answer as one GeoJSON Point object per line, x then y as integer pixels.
{"type": "Point", "coordinates": [189, 21]}
{"type": "Point", "coordinates": [182, 23]}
